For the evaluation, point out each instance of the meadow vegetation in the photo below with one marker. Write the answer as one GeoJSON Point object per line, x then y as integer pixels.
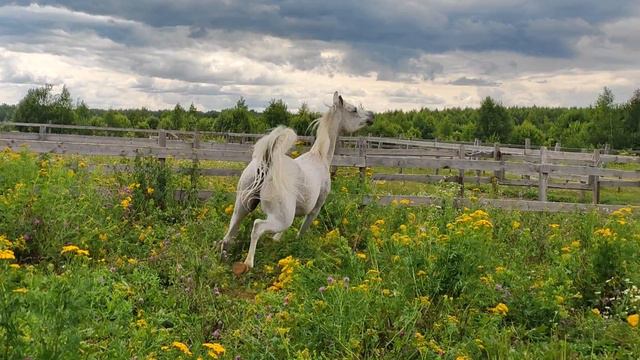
{"type": "Point", "coordinates": [101, 265]}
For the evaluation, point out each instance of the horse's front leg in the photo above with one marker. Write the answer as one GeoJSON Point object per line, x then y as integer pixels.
{"type": "Point", "coordinates": [273, 224]}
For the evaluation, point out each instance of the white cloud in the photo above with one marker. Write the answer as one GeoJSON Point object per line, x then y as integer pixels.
{"type": "Point", "coordinates": [113, 62]}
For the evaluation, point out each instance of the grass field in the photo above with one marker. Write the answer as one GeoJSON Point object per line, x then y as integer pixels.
{"type": "Point", "coordinates": [109, 266]}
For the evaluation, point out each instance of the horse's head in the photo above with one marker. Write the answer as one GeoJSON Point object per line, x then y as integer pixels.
{"type": "Point", "coordinates": [352, 117]}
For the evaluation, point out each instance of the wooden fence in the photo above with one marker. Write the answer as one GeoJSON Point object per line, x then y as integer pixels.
{"type": "Point", "coordinates": [506, 165]}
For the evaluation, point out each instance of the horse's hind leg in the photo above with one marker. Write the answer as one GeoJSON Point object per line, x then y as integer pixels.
{"type": "Point", "coordinates": [240, 211]}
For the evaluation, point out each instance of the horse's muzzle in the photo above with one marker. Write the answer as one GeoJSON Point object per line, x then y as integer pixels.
{"type": "Point", "coordinates": [370, 119]}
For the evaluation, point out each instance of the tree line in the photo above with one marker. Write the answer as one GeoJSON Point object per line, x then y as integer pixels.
{"type": "Point", "coordinates": [604, 122]}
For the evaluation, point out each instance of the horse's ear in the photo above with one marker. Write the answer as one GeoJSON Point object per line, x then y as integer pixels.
{"type": "Point", "coordinates": [337, 99]}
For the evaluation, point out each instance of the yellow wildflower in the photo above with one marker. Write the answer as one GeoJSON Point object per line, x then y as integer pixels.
{"type": "Point", "coordinates": [596, 311]}
{"type": "Point", "coordinates": [424, 300]}
{"type": "Point", "coordinates": [554, 226]}
{"type": "Point", "coordinates": [421, 273]}
{"type": "Point", "coordinates": [4, 241]}
{"type": "Point", "coordinates": [405, 202]}
{"type": "Point", "coordinates": [361, 256]}
{"type": "Point", "coordinates": [605, 232]}
{"type": "Point", "coordinates": [483, 223]}
{"type": "Point", "coordinates": [7, 255]}
{"type": "Point", "coordinates": [141, 323]}
{"type": "Point", "coordinates": [633, 320]}
{"type": "Point", "coordinates": [295, 154]}
{"type": "Point", "coordinates": [316, 222]}
{"type": "Point", "coordinates": [69, 248]}
{"type": "Point", "coordinates": [150, 190]}
{"type": "Point", "coordinates": [229, 209]}
{"type": "Point", "coordinates": [126, 202]}
{"type": "Point", "coordinates": [411, 217]}
{"type": "Point", "coordinates": [335, 233]}
{"type": "Point", "coordinates": [375, 230]}
{"type": "Point", "coordinates": [14, 266]}
{"type": "Point", "coordinates": [500, 309]}
{"type": "Point", "coordinates": [480, 214]}
{"type": "Point", "coordinates": [215, 349]}
{"type": "Point", "coordinates": [182, 347]}
{"type": "Point", "coordinates": [20, 290]}
{"type": "Point", "coordinates": [103, 237]}
{"type": "Point", "coordinates": [500, 269]}
{"type": "Point", "coordinates": [515, 225]}
{"type": "Point", "coordinates": [282, 331]}
{"type": "Point", "coordinates": [575, 244]}
{"type": "Point", "coordinates": [379, 222]}
{"type": "Point", "coordinates": [82, 252]}
{"type": "Point", "coordinates": [622, 212]}
{"type": "Point", "coordinates": [345, 221]}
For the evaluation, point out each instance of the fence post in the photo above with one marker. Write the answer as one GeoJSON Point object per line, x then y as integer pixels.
{"type": "Point", "coordinates": [594, 180]}
{"type": "Point", "coordinates": [333, 170]}
{"type": "Point", "coordinates": [497, 156]}
{"type": "Point", "coordinates": [543, 175]}
{"type": "Point", "coordinates": [362, 152]}
{"type": "Point", "coordinates": [461, 156]}
{"type": "Point", "coordinates": [557, 148]}
{"type": "Point", "coordinates": [527, 150]}
{"type": "Point", "coordinates": [196, 140]}
{"type": "Point", "coordinates": [476, 144]}
{"type": "Point", "coordinates": [42, 135]}
{"type": "Point", "coordinates": [162, 142]}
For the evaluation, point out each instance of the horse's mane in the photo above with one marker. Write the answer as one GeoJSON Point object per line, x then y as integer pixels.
{"type": "Point", "coordinates": [325, 126]}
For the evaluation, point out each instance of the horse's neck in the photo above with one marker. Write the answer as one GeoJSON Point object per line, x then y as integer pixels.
{"type": "Point", "coordinates": [326, 138]}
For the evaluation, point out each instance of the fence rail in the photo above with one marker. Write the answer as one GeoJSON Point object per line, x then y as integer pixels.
{"type": "Point", "coordinates": [539, 168]}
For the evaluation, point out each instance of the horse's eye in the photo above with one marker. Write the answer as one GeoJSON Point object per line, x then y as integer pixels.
{"type": "Point", "coordinates": [355, 110]}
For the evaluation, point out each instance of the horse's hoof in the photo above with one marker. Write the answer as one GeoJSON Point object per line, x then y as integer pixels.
{"type": "Point", "coordinates": [239, 268]}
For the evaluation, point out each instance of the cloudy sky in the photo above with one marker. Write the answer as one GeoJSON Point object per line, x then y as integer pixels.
{"type": "Point", "coordinates": [385, 54]}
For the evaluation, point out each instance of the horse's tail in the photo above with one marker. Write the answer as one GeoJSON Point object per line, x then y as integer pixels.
{"type": "Point", "coordinates": [270, 154]}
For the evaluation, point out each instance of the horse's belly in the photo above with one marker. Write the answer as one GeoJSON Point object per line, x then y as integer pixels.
{"type": "Point", "coordinates": [306, 203]}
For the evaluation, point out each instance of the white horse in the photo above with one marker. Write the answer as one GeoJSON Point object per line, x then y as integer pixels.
{"type": "Point", "coordinates": [290, 187]}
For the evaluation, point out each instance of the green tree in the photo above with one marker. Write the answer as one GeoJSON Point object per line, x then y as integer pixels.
{"type": "Point", "coordinates": [6, 112]}
{"type": "Point", "coordinates": [276, 114]}
{"type": "Point", "coordinates": [83, 114]}
{"type": "Point", "coordinates": [632, 120]}
{"type": "Point", "coordinates": [494, 123]}
{"type": "Point", "coordinates": [42, 105]}
{"type": "Point", "coordinates": [116, 119]}
{"type": "Point", "coordinates": [527, 130]}
{"type": "Point", "coordinates": [237, 119]}
{"type": "Point", "coordinates": [36, 106]}
{"type": "Point", "coordinates": [301, 121]}
{"type": "Point", "coordinates": [444, 128]}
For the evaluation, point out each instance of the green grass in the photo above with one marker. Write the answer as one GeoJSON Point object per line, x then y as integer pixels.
{"type": "Point", "coordinates": [365, 283]}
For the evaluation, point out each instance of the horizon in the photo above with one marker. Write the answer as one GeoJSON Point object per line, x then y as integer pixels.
{"type": "Point", "coordinates": [388, 56]}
